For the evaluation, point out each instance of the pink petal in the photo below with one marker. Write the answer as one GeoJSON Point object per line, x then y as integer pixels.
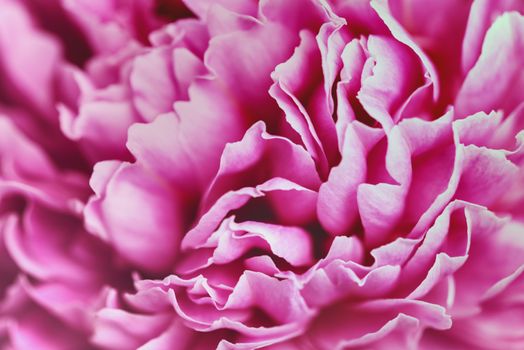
{"type": "Point", "coordinates": [293, 79]}
{"type": "Point", "coordinates": [118, 328]}
{"type": "Point", "coordinates": [496, 253]}
{"type": "Point", "coordinates": [136, 204]}
{"type": "Point", "coordinates": [171, 146]}
{"type": "Point", "coordinates": [394, 77]}
{"type": "Point", "coordinates": [243, 61]}
{"type": "Point", "coordinates": [353, 58]}
{"type": "Point", "coordinates": [482, 15]}
{"type": "Point", "coordinates": [231, 201]}
{"type": "Point", "coordinates": [486, 174]}
{"type": "Point", "coordinates": [293, 244]}
{"type": "Point", "coordinates": [337, 203]}
{"type": "Point", "coordinates": [201, 7]}
{"type": "Point", "coordinates": [295, 15]}
{"type": "Point", "coordinates": [33, 81]}
{"type": "Point", "coordinates": [279, 299]}
{"type": "Point", "coordinates": [259, 150]}
{"type": "Point", "coordinates": [152, 83]}
{"type": "Point", "coordinates": [101, 123]}
{"type": "Point", "coordinates": [336, 282]}
{"type": "Point", "coordinates": [333, 330]}
{"type": "Point", "coordinates": [505, 82]}
{"type": "Point", "coordinates": [382, 9]}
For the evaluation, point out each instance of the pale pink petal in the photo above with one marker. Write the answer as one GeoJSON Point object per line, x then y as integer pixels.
{"type": "Point", "coordinates": [116, 328]}
{"type": "Point", "coordinates": [337, 203]}
{"type": "Point", "coordinates": [293, 244]}
{"type": "Point", "coordinates": [136, 203]}
{"type": "Point", "coordinates": [172, 141]}
{"type": "Point", "coordinates": [231, 201]}
{"type": "Point", "coordinates": [222, 21]}
{"type": "Point", "coordinates": [503, 43]}
{"type": "Point", "coordinates": [331, 39]}
{"type": "Point", "coordinates": [496, 252]}
{"type": "Point", "coordinates": [33, 82]}
{"type": "Point", "coordinates": [101, 123]}
{"type": "Point", "coordinates": [152, 83]}
{"type": "Point", "coordinates": [450, 225]}
{"type": "Point", "coordinates": [258, 150]}
{"type": "Point", "coordinates": [380, 208]}
{"type": "Point", "coordinates": [486, 174]}
{"type": "Point", "coordinates": [401, 332]}
{"type": "Point", "coordinates": [482, 15]}
{"type": "Point", "coordinates": [335, 282]}
{"type": "Point", "coordinates": [279, 299]}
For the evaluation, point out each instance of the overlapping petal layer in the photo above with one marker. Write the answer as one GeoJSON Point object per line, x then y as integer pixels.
{"type": "Point", "coordinates": [280, 174]}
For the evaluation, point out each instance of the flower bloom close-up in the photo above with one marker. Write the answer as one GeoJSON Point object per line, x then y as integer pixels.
{"type": "Point", "coordinates": [261, 174]}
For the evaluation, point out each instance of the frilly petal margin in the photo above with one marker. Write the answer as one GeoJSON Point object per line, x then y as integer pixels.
{"type": "Point", "coordinates": [277, 174]}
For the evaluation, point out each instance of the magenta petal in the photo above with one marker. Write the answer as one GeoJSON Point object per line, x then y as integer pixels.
{"type": "Point", "coordinates": [201, 7]}
{"type": "Point", "coordinates": [393, 79]}
{"type": "Point", "coordinates": [433, 160]}
{"type": "Point", "coordinates": [293, 79]}
{"type": "Point", "coordinates": [232, 58]}
{"type": "Point", "coordinates": [63, 235]}
{"type": "Point", "coordinates": [73, 305]}
{"type": "Point", "coordinates": [378, 314]}
{"type": "Point", "coordinates": [360, 15]}
{"type": "Point", "coordinates": [399, 33]}
{"type": "Point", "coordinates": [353, 58]}
{"type": "Point", "coordinates": [167, 69]}
{"type": "Point", "coordinates": [248, 174]}
{"type": "Point", "coordinates": [294, 14]}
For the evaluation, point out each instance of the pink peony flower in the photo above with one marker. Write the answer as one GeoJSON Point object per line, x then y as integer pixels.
{"type": "Point", "coordinates": [277, 174]}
